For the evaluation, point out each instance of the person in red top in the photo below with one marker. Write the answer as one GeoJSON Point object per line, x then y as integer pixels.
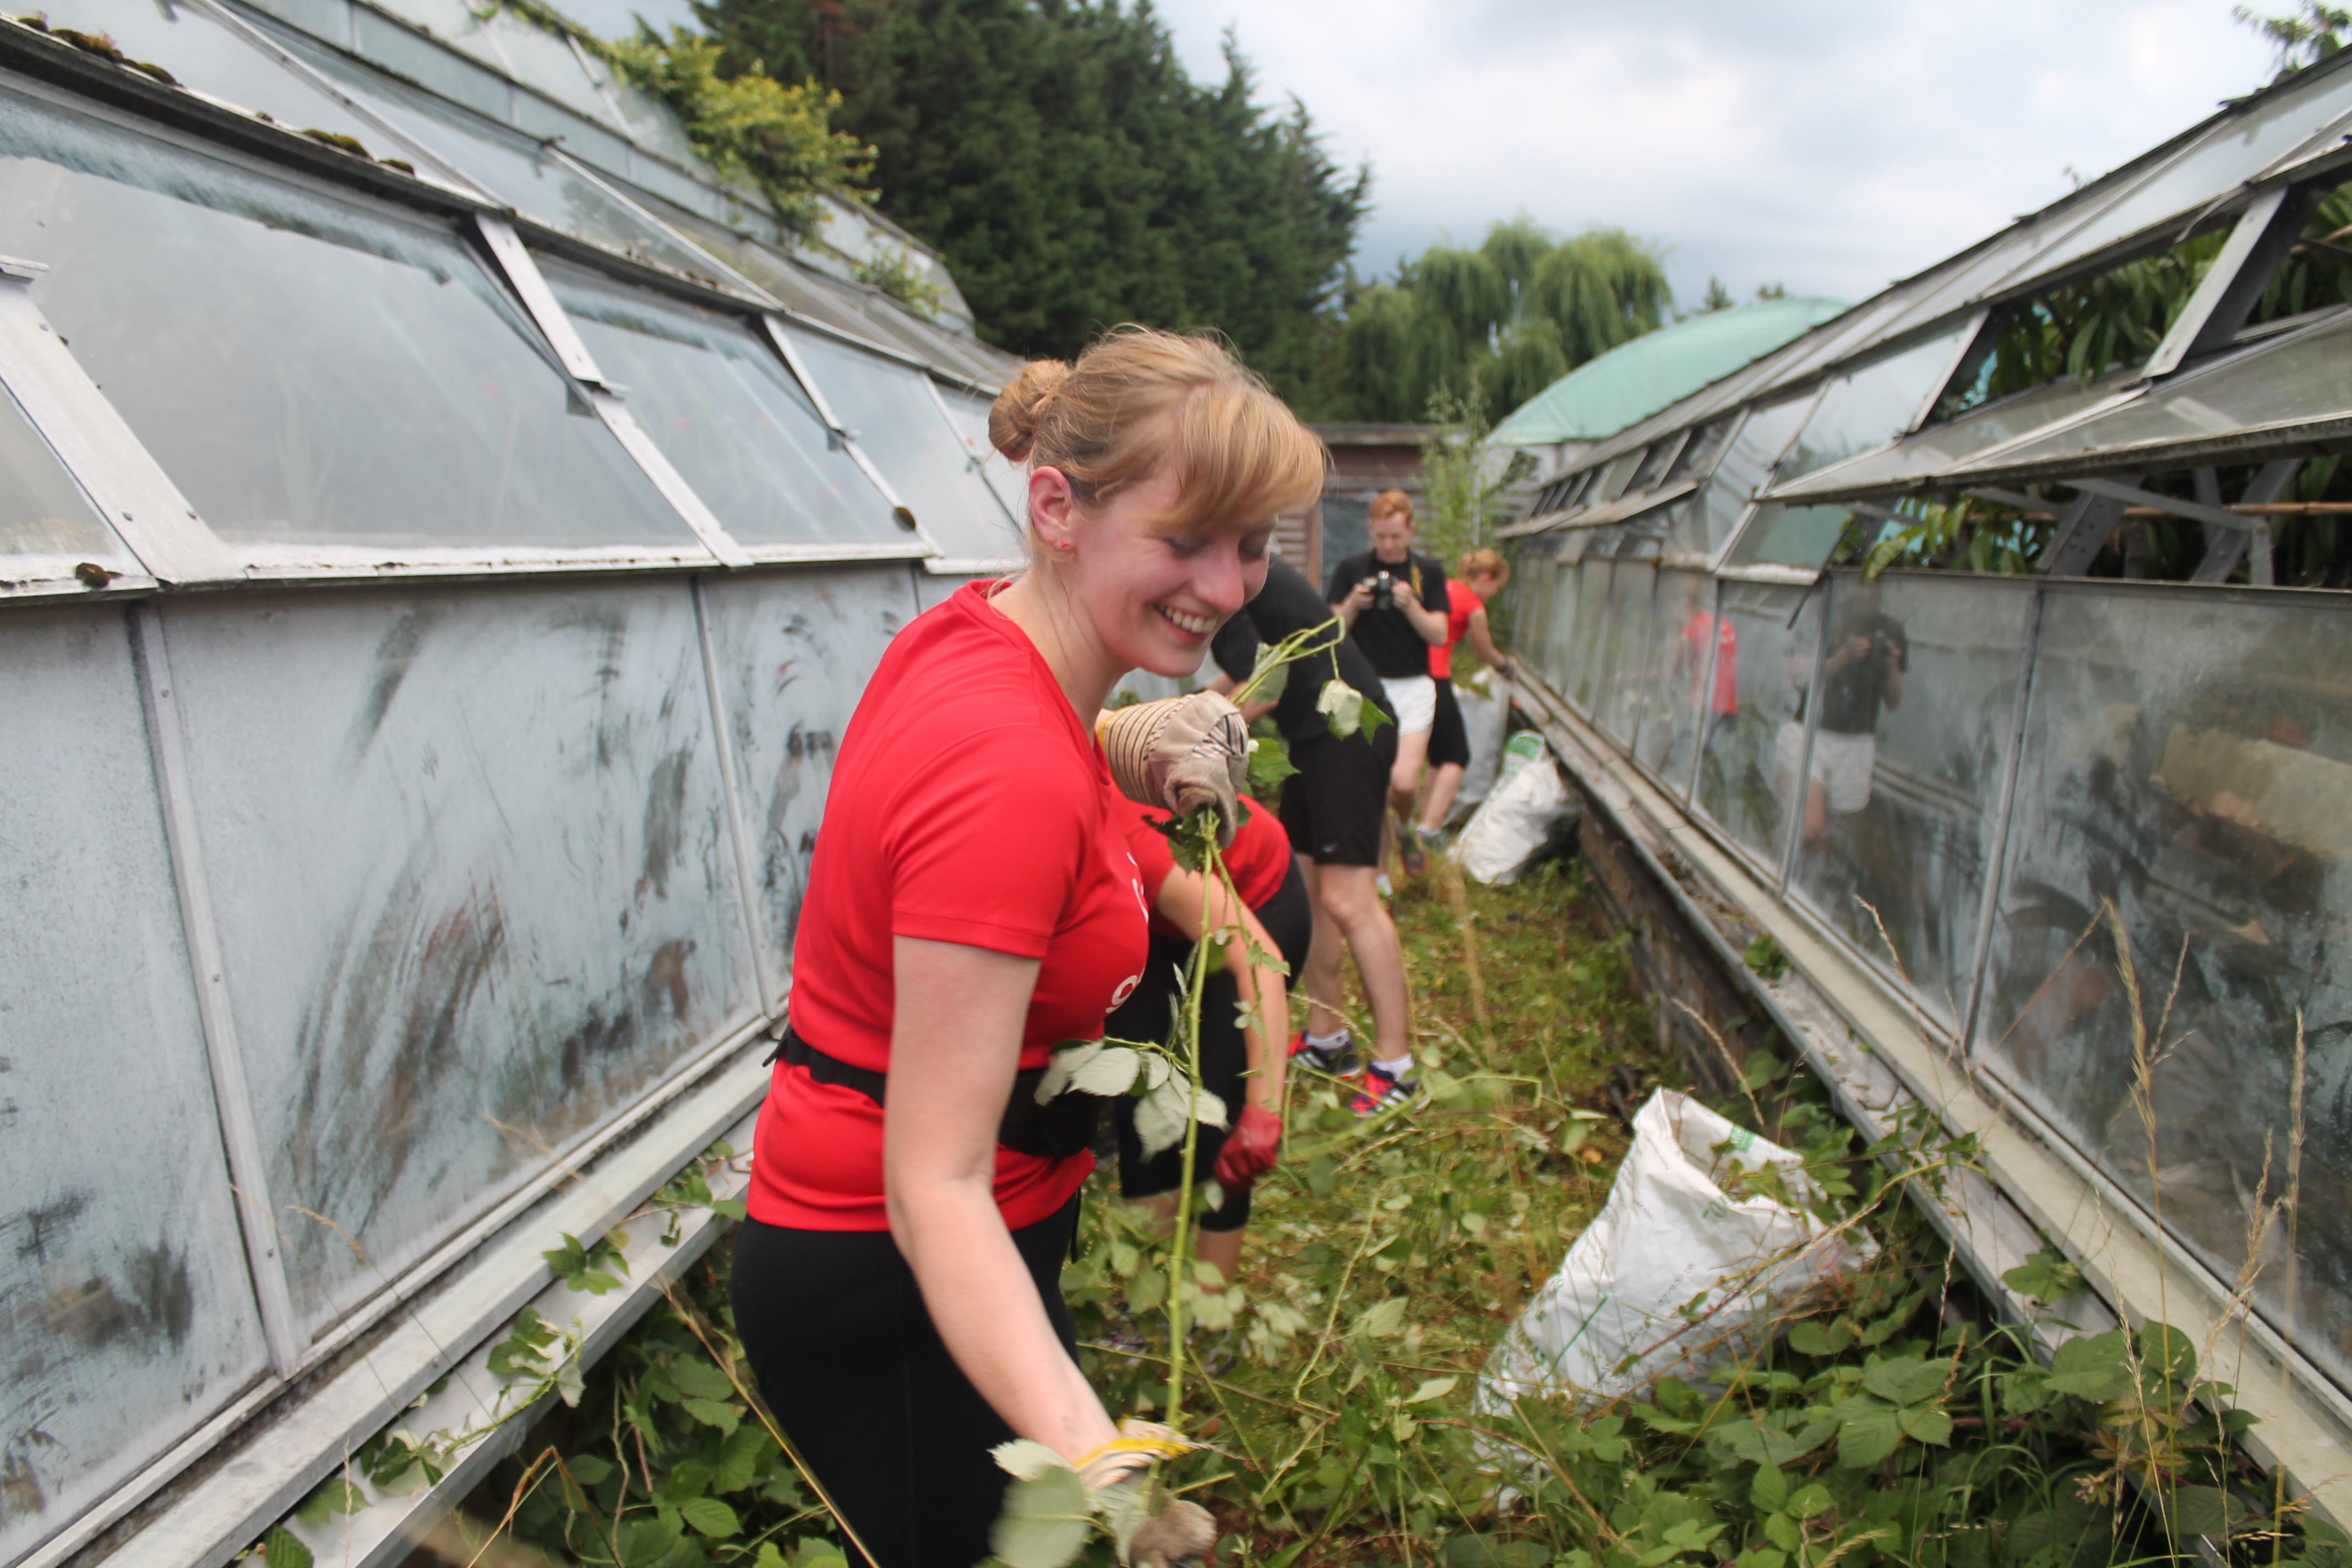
{"type": "Point", "coordinates": [1477, 577]}
{"type": "Point", "coordinates": [971, 904]}
{"type": "Point", "coordinates": [1243, 1068]}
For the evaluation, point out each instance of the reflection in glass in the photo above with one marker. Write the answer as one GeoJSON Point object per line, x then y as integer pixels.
{"type": "Point", "coordinates": [1628, 680]}
{"type": "Point", "coordinates": [726, 414]}
{"type": "Point", "coordinates": [2185, 797]}
{"type": "Point", "coordinates": [42, 510]}
{"type": "Point", "coordinates": [1869, 406]}
{"type": "Point", "coordinates": [890, 412]}
{"type": "Point", "coordinates": [2305, 377]}
{"type": "Point", "coordinates": [307, 371]}
{"type": "Point", "coordinates": [1918, 697]}
{"type": "Point", "coordinates": [1753, 755]}
{"type": "Point", "coordinates": [1748, 460]}
{"type": "Point", "coordinates": [1681, 701]}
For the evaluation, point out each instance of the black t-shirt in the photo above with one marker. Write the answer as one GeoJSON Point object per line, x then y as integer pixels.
{"type": "Point", "coordinates": [1288, 605]}
{"type": "Point", "coordinates": [1852, 694]}
{"type": "Point", "coordinates": [1381, 630]}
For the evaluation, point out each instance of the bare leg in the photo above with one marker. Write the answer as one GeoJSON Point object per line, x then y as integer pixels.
{"type": "Point", "coordinates": [1404, 778]}
{"type": "Point", "coordinates": [1223, 1248]}
{"type": "Point", "coordinates": [1320, 976]}
{"type": "Point", "coordinates": [1355, 907]}
{"type": "Point", "coordinates": [1441, 785]}
{"type": "Point", "coordinates": [1817, 812]}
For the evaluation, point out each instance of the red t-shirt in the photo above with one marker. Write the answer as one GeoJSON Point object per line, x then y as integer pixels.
{"type": "Point", "coordinates": [969, 805]}
{"type": "Point", "coordinates": [1461, 604]}
{"type": "Point", "coordinates": [1727, 661]}
{"type": "Point", "coordinates": [1258, 860]}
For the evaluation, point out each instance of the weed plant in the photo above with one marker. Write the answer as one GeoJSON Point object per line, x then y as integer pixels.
{"type": "Point", "coordinates": [1890, 1424]}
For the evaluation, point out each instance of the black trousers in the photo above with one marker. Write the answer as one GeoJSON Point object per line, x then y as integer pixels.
{"type": "Point", "coordinates": [846, 1357]}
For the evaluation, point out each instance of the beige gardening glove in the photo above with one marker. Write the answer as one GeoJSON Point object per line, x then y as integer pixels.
{"type": "Point", "coordinates": [1180, 754]}
{"type": "Point", "coordinates": [1151, 1529]}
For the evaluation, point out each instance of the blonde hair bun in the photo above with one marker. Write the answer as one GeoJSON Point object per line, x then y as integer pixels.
{"type": "Point", "coordinates": [1013, 418]}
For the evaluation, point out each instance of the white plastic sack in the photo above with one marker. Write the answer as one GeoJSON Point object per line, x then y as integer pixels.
{"type": "Point", "coordinates": [1514, 822]}
{"type": "Point", "coordinates": [1675, 1276]}
{"type": "Point", "coordinates": [1486, 705]}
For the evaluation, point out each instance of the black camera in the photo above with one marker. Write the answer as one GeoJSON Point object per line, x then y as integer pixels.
{"type": "Point", "coordinates": [1382, 583]}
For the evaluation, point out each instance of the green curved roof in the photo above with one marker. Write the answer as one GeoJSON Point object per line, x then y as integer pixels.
{"type": "Point", "coordinates": [1633, 381]}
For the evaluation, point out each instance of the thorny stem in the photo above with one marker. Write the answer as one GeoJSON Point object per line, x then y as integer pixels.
{"type": "Point", "coordinates": [1197, 972]}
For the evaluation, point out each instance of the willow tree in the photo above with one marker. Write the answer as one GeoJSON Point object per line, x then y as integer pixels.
{"type": "Point", "coordinates": [1497, 324]}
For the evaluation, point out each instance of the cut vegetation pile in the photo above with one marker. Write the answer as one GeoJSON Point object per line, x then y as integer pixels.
{"type": "Point", "coordinates": [1333, 1382]}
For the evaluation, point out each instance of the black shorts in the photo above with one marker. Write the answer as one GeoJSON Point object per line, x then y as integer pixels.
{"type": "Point", "coordinates": [1332, 806]}
{"type": "Point", "coordinates": [1449, 741]}
{"type": "Point", "coordinates": [1289, 919]}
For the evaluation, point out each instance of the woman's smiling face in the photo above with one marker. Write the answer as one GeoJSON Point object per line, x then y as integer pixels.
{"type": "Point", "coordinates": [1155, 589]}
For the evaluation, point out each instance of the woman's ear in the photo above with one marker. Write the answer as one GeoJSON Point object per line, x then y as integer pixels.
{"type": "Point", "coordinates": [1053, 508]}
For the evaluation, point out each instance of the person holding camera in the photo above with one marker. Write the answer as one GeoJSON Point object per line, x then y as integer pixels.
{"type": "Point", "coordinates": [1396, 606]}
{"type": "Point", "coordinates": [1869, 656]}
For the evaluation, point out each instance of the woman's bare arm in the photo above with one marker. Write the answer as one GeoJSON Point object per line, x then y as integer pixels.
{"type": "Point", "coordinates": [1481, 639]}
{"type": "Point", "coordinates": [955, 1043]}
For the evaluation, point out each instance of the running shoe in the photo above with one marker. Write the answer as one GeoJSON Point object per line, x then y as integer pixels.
{"type": "Point", "coordinates": [1410, 850]}
{"type": "Point", "coordinates": [1383, 1090]}
{"type": "Point", "coordinates": [1331, 1059]}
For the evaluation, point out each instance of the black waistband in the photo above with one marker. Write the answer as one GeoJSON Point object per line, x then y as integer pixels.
{"type": "Point", "coordinates": [1061, 1126]}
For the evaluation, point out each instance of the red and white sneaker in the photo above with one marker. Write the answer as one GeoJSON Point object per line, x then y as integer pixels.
{"type": "Point", "coordinates": [1382, 1090]}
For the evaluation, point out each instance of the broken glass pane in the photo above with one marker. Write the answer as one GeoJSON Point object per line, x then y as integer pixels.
{"type": "Point", "coordinates": [723, 408]}
{"type": "Point", "coordinates": [308, 370]}
{"type": "Point", "coordinates": [1919, 699]}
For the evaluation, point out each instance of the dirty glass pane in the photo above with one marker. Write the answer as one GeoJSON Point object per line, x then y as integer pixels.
{"type": "Point", "coordinates": [1784, 535]}
{"type": "Point", "coordinates": [1682, 629]}
{"type": "Point", "coordinates": [727, 413]}
{"type": "Point", "coordinates": [1919, 694]}
{"type": "Point", "coordinates": [890, 413]}
{"type": "Point", "coordinates": [1696, 460]}
{"type": "Point", "coordinates": [307, 371]}
{"type": "Point", "coordinates": [1747, 458]}
{"type": "Point", "coordinates": [1588, 648]}
{"type": "Point", "coordinates": [131, 1319]}
{"type": "Point", "coordinates": [2230, 155]}
{"type": "Point", "coordinates": [1628, 680]}
{"type": "Point", "coordinates": [1871, 405]}
{"type": "Point", "coordinates": [42, 510]}
{"type": "Point", "coordinates": [508, 165]}
{"type": "Point", "coordinates": [2301, 379]}
{"type": "Point", "coordinates": [2188, 767]}
{"type": "Point", "coordinates": [1939, 447]}
{"type": "Point", "coordinates": [828, 629]}
{"type": "Point", "coordinates": [1751, 758]}
{"type": "Point", "coordinates": [427, 61]}
{"type": "Point", "coordinates": [205, 54]}
{"type": "Point", "coordinates": [539, 919]}
{"type": "Point", "coordinates": [969, 415]}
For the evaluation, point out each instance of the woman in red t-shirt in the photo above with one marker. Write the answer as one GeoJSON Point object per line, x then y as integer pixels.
{"type": "Point", "coordinates": [1477, 577]}
{"type": "Point", "coordinates": [1243, 1068]}
{"type": "Point", "coordinates": [970, 905]}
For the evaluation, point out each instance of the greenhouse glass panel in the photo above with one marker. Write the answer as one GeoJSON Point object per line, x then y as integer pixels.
{"type": "Point", "coordinates": [131, 1319]}
{"type": "Point", "coordinates": [1746, 464]}
{"type": "Point", "coordinates": [42, 510]}
{"type": "Point", "coordinates": [1751, 758]}
{"type": "Point", "coordinates": [723, 408]}
{"type": "Point", "coordinates": [2185, 798]}
{"type": "Point", "coordinates": [1588, 650]}
{"type": "Point", "coordinates": [2231, 154]}
{"type": "Point", "coordinates": [515, 169]}
{"type": "Point", "coordinates": [1939, 447]}
{"type": "Point", "coordinates": [307, 370]}
{"type": "Point", "coordinates": [539, 921]}
{"type": "Point", "coordinates": [1009, 481]}
{"type": "Point", "coordinates": [891, 414]}
{"type": "Point", "coordinates": [430, 62]}
{"type": "Point", "coordinates": [1558, 629]}
{"type": "Point", "coordinates": [1683, 628]}
{"type": "Point", "coordinates": [1627, 680]}
{"type": "Point", "coordinates": [205, 54]}
{"type": "Point", "coordinates": [1696, 460]}
{"type": "Point", "coordinates": [2302, 379]}
{"type": "Point", "coordinates": [1784, 535]}
{"type": "Point", "coordinates": [1873, 405]}
{"type": "Point", "coordinates": [1918, 698]}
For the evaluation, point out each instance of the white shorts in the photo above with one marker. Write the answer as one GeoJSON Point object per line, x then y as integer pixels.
{"type": "Point", "coordinates": [1414, 697]}
{"type": "Point", "coordinates": [1842, 764]}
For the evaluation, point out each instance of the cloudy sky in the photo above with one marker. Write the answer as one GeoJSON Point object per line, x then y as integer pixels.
{"type": "Point", "coordinates": [1829, 145]}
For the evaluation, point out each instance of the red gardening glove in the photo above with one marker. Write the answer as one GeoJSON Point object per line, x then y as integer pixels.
{"type": "Point", "coordinates": [1251, 1147]}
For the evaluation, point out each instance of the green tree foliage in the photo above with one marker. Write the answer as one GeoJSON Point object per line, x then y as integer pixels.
{"type": "Point", "coordinates": [1499, 324]}
{"type": "Point", "coordinates": [2303, 37]}
{"type": "Point", "coordinates": [1071, 172]}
